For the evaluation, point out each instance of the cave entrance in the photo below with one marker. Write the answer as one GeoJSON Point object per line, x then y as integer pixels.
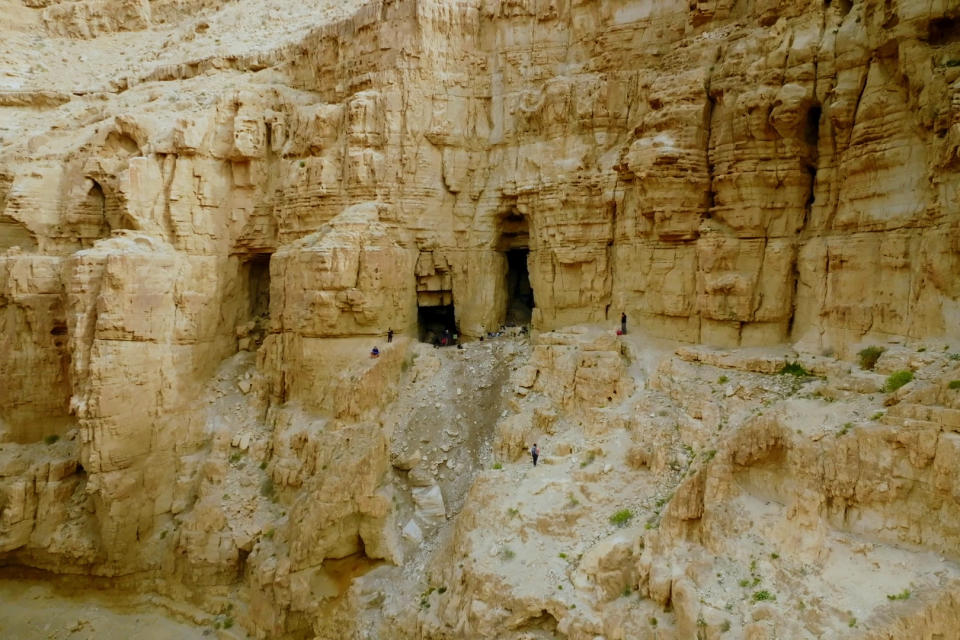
{"type": "Point", "coordinates": [519, 292]}
{"type": "Point", "coordinates": [514, 245]}
{"type": "Point", "coordinates": [255, 315]}
{"type": "Point", "coordinates": [258, 286]}
{"type": "Point", "coordinates": [436, 322]}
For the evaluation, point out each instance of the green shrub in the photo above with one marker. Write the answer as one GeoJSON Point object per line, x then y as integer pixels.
{"type": "Point", "coordinates": [724, 626]}
{"type": "Point", "coordinates": [852, 623]}
{"type": "Point", "coordinates": [869, 357]}
{"type": "Point", "coordinates": [626, 592]}
{"type": "Point", "coordinates": [954, 384]}
{"type": "Point", "coordinates": [794, 369]}
{"type": "Point", "coordinates": [51, 438]}
{"type": "Point", "coordinates": [621, 518]}
{"type": "Point", "coordinates": [722, 379]}
{"type": "Point", "coordinates": [263, 465]}
{"type": "Point", "coordinates": [744, 583]}
{"type": "Point", "coordinates": [497, 466]}
{"type": "Point", "coordinates": [877, 415]}
{"type": "Point", "coordinates": [846, 428]}
{"type": "Point", "coordinates": [507, 554]}
{"type": "Point", "coordinates": [760, 596]}
{"type": "Point", "coordinates": [653, 622]}
{"type": "Point", "coordinates": [903, 595]}
{"type": "Point", "coordinates": [897, 379]}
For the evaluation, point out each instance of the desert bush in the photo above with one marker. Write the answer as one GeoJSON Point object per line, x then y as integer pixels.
{"type": "Point", "coordinates": [897, 379]}
{"type": "Point", "coordinates": [869, 356]}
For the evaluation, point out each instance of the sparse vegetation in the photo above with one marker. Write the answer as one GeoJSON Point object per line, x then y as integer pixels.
{"type": "Point", "coordinates": [425, 598]}
{"type": "Point", "coordinates": [626, 592]}
{"type": "Point", "coordinates": [762, 595]}
{"type": "Point", "coordinates": [513, 513]}
{"type": "Point", "coordinates": [589, 459]}
{"type": "Point", "coordinates": [724, 626]}
{"type": "Point", "coordinates": [303, 164]}
{"type": "Point", "coordinates": [722, 380]}
{"type": "Point", "coordinates": [954, 384]}
{"type": "Point", "coordinates": [708, 455]}
{"type": "Point", "coordinates": [794, 369]}
{"type": "Point", "coordinates": [267, 490]}
{"type": "Point", "coordinates": [653, 622]}
{"type": "Point", "coordinates": [235, 457]}
{"type": "Point", "coordinates": [572, 500]}
{"type": "Point", "coordinates": [268, 534]}
{"type": "Point", "coordinates": [903, 595]}
{"type": "Point", "coordinates": [497, 466]}
{"type": "Point", "coordinates": [897, 379]}
{"type": "Point", "coordinates": [774, 556]}
{"type": "Point", "coordinates": [846, 429]}
{"type": "Point", "coordinates": [877, 415]}
{"type": "Point", "coordinates": [869, 356]}
{"type": "Point", "coordinates": [852, 623]}
{"type": "Point", "coordinates": [744, 583]}
{"type": "Point", "coordinates": [263, 465]}
{"type": "Point", "coordinates": [51, 438]}
{"type": "Point", "coordinates": [621, 518]}
{"type": "Point", "coordinates": [507, 554]}
{"type": "Point", "coordinates": [562, 555]}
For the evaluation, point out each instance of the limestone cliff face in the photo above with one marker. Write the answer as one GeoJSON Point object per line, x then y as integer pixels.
{"type": "Point", "coordinates": [727, 173]}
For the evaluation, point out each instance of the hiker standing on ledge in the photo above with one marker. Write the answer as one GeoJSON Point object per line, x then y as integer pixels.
{"type": "Point", "coordinates": [535, 453]}
{"type": "Point", "coordinates": [623, 324]}
{"type": "Point", "coordinates": [389, 335]}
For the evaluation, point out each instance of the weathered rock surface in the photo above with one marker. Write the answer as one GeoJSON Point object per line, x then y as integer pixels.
{"type": "Point", "coordinates": [209, 214]}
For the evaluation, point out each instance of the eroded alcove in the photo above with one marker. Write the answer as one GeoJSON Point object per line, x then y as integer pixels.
{"type": "Point", "coordinates": [435, 311]}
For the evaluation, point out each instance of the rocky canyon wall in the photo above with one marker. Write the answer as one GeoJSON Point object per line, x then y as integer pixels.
{"type": "Point", "coordinates": [252, 194]}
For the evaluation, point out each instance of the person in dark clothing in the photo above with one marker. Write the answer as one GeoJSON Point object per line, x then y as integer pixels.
{"type": "Point", "coordinates": [535, 453]}
{"type": "Point", "coordinates": [389, 335]}
{"type": "Point", "coordinates": [375, 352]}
{"type": "Point", "coordinates": [445, 340]}
{"type": "Point", "coordinates": [623, 324]}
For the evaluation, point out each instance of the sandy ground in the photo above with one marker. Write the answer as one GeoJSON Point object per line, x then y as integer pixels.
{"type": "Point", "coordinates": [34, 609]}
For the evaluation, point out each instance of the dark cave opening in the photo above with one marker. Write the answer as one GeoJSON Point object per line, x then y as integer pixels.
{"type": "Point", "coordinates": [437, 323]}
{"type": "Point", "coordinates": [520, 300]}
{"type": "Point", "coordinates": [258, 286]}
